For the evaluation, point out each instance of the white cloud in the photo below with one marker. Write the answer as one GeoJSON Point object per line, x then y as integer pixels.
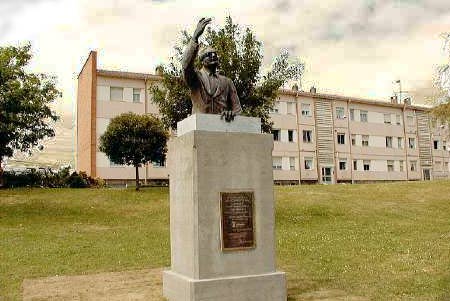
{"type": "Point", "coordinates": [349, 47]}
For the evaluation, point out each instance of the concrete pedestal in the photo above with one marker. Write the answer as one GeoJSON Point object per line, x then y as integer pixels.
{"type": "Point", "coordinates": [203, 164]}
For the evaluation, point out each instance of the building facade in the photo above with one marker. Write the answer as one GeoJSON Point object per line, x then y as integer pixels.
{"type": "Point", "coordinates": [318, 138]}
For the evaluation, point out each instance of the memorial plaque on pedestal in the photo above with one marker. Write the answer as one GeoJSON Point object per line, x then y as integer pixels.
{"type": "Point", "coordinates": [237, 220]}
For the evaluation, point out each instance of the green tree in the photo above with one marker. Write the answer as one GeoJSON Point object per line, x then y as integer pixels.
{"type": "Point", "coordinates": [25, 98]}
{"type": "Point", "coordinates": [132, 139]}
{"type": "Point", "coordinates": [441, 109]}
{"type": "Point", "coordinates": [240, 55]}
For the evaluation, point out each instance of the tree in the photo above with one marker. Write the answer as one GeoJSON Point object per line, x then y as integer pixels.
{"type": "Point", "coordinates": [441, 109]}
{"type": "Point", "coordinates": [25, 98]}
{"type": "Point", "coordinates": [240, 55]}
{"type": "Point", "coordinates": [132, 139]}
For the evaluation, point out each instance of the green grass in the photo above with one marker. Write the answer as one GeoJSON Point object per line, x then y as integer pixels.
{"type": "Point", "coordinates": [380, 241]}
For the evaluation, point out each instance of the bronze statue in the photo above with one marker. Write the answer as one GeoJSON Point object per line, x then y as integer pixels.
{"type": "Point", "coordinates": [211, 92]}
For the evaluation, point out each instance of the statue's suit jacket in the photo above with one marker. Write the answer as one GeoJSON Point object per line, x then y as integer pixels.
{"type": "Point", "coordinates": [210, 93]}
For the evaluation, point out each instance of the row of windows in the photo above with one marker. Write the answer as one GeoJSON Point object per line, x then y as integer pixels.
{"type": "Point", "coordinates": [308, 164]}
{"type": "Point", "coordinates": [277, 163]}
{"type": "Point", "coordinates": [439, 165]}
{"type": "Point", "coordinates": [366, 165]}
{"type": "Point", "coordinates": [340, 113]}
{"type": "Point", "coordinates": [436, 145]}
{"type": "Point", "coordinates": [155, 164]}
{"type": "Point", "coordinates": [116, 94]}
{"type": "Point", "coordinates": [307, 138]}
{"type": "Point", "coordinates": [277, 135]}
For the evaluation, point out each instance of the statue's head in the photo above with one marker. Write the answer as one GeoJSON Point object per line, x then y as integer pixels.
{"type": "Point", "coordinates": [208, 56]}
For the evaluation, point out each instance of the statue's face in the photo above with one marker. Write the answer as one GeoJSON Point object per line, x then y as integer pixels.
{"type": "Point", "coordinates": [210, 59]}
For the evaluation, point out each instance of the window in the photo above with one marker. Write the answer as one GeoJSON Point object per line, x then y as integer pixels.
{"type": "Point", "coordinates": [307, 136]}
{"type": "Point", "coordinates": [413, 166]}
{"type": "Point", "coordinates": [342, 164]}
{"type": "Point", "coordinates": [160, 163]}
{"type": "Point", "coordinates": [352, 114]}
{"type": "Point", "coordinates": [275, 108]}
{"type": "Point", "coordinates": [444, 145]}
{"type": "Point", "coordinates": [306, 110]}
{"type": "Point", "coordinates": [399, 142]}
{"type": "Point", "coordinates": [397, 118]}
{"type": "Point", "coordinates": [366, 164]}
{"type": "Point", "coordinates": [363, 116]}
{"type": "Point", "coordinates": [355, 164]}
{"type": "Point", "coordinates": [340, 113]}
{"type": "Point", "coordinates": [353, 139]}
{"type": "Point", "coordinates": [389, 142]}
{"type": "Point", "coordinates": [438, 165]}
{"type": "Point", "coordinates": [412, 142]}
{"type": "Point", "coordinates": [276, 135]}
{"type": "Point", "coordinates": [390, 165]}
{"type": "Point", "coordinates": [400, 163]}
{"type": "Point", "coordinates": [308, 163]}
{"type": "Point", "coordinates": [410, 119]}
{"type": "Point", "coordinates": [116, 94]}
{"type": "Point", "coordinates": [446, 166]}
{"type": "Point", "coordinates": [291, 135]}
{"type": "Point", "coordinates": [341, 138]}
{"type": "Point", "coordinates": [291, 108]}
{"type": "Point", "coordinates": [387, 118]}
{"type": "Point", "coordinates": [436, 144]}
{"type": "Point", "coordinates": [136, 95]}
{"type": "Point", "coordinates": [365, 140]}
{"type": "Point", "coordinates": [276, 163]}
{"type": "Point", "coordinates": [292, 163]}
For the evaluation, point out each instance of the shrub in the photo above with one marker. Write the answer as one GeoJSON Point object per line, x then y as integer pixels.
{"type": "Point", "coordinates": [50, 178]}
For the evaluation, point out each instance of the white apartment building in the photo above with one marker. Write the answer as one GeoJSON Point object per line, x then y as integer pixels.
{"type": "Point", "coordinates": [318, 138]}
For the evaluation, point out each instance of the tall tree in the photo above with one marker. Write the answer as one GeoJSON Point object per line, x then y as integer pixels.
{"type": "Point", "coordinates": [132, 139]}
{"type": "Point", "coordinates": [240, 56]}
{"type": "Point", "coordinates": [441, 109]}
{"type": "Point", "coordinates": [25, 98]}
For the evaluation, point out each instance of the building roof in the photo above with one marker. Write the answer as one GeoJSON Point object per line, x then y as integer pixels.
{"type": "Point", "coordinates": [126, 74]}
{"type": "Point", "coordinates": [352, 99]}
{"type": "Point", "coordinates": [149, 76]}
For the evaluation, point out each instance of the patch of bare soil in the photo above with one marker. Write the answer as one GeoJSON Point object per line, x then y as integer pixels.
{"type": "Point", "coordinates": [130, 286]}
{"type": "Point", "coordinates": [118, 286]}
{"type": "Point", "coordinates": [326, 295]}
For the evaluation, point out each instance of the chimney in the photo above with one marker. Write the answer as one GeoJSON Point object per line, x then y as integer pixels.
{"type": "Point", "coordinates": [313, 90]}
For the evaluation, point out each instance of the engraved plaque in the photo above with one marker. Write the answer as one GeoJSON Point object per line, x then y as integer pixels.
{"type": "Point", "coordinates": [237, 220]}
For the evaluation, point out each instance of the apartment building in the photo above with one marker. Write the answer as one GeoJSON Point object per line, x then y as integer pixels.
{"type": "Point", "coordinates": [318, 138]}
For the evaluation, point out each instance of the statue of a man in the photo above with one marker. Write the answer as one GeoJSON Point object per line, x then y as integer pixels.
{"type": "Point", "coordinates": [211, 92]}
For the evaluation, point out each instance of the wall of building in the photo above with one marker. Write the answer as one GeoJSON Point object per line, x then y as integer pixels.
{"type": "Point", "coordinates": [382, 125]}
{"type": "Point", "coordinates": [86, 116]}
{"type": "Point", "coordinates": [109, 106]}
{"type": "Point", "coordinates": [295, 114]}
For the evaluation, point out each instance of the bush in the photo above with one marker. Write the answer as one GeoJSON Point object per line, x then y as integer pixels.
{"type": "Point", "coordinates": [50, 178]}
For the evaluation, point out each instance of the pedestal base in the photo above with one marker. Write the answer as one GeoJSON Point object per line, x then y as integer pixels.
{"type": "Point", "coordinates": [264, 287]}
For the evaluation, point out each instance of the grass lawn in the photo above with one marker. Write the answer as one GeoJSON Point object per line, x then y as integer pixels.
{"type": "Point", "coordinates": [380, 241]}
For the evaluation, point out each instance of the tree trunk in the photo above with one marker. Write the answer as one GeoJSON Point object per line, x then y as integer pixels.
{"type": "Point", "coordinates": [137, 177]}
{"type": "Point", "coordinates": [1, 175]}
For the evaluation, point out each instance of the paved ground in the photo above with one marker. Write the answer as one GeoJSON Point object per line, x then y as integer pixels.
{"type": "Point", "coordinates": [129, 286]}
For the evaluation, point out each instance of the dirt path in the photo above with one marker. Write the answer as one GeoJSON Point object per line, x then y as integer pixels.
{"type": "Point", "coordinates": [120, 286]}
{"type": "Point", "coordinates": [129, 286]}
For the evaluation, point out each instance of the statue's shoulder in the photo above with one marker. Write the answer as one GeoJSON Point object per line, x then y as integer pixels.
{"type": "Point", "coordinates": [224, 78]}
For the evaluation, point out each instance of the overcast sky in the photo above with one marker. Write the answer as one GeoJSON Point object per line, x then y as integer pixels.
{"type": "Point", "coordinates": [349, 47]}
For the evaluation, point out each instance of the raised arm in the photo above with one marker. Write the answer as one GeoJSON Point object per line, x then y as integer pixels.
{"type": "Point", "coordinates": [190, 53]}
